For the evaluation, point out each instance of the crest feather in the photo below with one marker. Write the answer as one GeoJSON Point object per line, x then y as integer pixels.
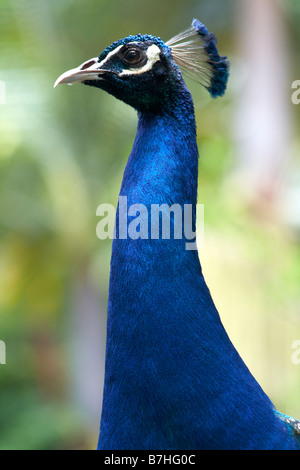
{"type": "Point", "coordinates": [195, 52]}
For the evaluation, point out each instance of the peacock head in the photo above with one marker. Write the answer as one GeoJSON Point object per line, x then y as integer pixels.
{"type": "Point", "coordinates": [145, 72]}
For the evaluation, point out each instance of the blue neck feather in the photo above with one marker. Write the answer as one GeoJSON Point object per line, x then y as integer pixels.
{"type": "Point", "coordinates": [173, 379]}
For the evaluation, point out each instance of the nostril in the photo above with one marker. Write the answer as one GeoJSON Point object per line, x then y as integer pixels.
{"type": "Point", "coordinates": [88, 64]}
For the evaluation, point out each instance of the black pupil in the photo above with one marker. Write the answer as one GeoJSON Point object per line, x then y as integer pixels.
{"type": "Point", "coordinates": [132, 56]}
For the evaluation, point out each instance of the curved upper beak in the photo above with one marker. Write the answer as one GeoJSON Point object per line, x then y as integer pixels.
{"type": "Point", "coordinates": [89, 70]}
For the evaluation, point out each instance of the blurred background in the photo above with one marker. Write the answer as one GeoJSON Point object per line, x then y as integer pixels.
{"type": "Point", "coordinates": [63, 152]}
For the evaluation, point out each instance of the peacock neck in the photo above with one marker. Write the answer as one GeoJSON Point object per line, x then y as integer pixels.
{"type": "Point", "coordinates": [163, 165]}
{"type": "Point", "coordinates": [173, 379]}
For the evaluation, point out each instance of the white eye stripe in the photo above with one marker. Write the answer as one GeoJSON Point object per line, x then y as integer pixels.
{"type": "Point", "coordinates": [153, 55]}
{"type": "Point", "coordinates": [109, 55]}
{"type": "Point", "coordinates": [112, 53]}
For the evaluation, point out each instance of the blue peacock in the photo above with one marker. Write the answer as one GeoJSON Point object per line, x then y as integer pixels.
{"type": "Point", "coordinates": [173, 379]}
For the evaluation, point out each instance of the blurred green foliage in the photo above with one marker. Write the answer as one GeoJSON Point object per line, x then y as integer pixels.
{"type": "Point", "coordinates": [62, 154]}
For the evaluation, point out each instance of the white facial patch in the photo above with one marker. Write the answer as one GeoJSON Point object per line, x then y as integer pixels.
{"type": "Point", "coordinates": [153, 55]}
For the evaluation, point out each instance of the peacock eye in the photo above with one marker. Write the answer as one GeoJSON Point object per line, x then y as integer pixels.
{"type": "Point", "coordinates": [133, 56]}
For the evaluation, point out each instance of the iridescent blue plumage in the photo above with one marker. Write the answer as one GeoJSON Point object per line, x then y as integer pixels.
{"type": "Point", "coordinates": [293, 424]}
{"type": "Point", "coordinates": [173, 379]}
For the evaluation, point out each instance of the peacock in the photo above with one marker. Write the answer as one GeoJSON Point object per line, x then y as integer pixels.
{"type": "Point", "coordinates": [173, 379]}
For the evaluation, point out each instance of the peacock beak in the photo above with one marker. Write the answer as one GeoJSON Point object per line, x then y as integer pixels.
{"type": "Point", "coordinates": [89, 70]}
